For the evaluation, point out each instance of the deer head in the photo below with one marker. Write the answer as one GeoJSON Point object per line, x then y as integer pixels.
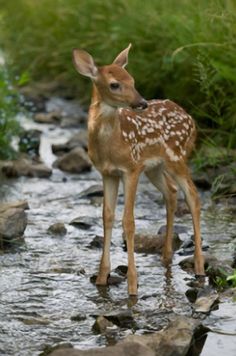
{"type": "Point", "coordinates": [114, 84]}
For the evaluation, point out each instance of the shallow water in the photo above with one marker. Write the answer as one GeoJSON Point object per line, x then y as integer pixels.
{"type": "Point", "coordinates": [45, 281]}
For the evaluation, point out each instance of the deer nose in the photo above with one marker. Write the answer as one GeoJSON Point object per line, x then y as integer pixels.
{"type": "Point", "coordinates": [143, 104]}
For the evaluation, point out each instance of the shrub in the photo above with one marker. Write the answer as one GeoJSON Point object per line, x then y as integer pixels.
{"type": "Point", "coordinates": [8, 124]}
{"type": "Point", "coordinates": [184, 50]}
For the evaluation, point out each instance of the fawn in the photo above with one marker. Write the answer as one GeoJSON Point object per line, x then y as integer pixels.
{"type": "Point", "coordinates": [127, 136]}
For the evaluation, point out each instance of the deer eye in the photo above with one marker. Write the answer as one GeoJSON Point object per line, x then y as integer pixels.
{"type": "Point", "coordinates": [114, 86]}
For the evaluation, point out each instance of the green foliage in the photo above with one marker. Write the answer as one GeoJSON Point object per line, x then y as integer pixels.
{"type": "Point", "coordinates": [232, 279]}
{"type": "Point", "coordinates": [8, 124]}
{"type": "Point", "coordinates": [184, 50]}
{"type": "Point", "coordinates": [223, 280]}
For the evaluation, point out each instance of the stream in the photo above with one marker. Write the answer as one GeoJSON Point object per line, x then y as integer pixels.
{"type": "Point", "coordinates": [46, 296]}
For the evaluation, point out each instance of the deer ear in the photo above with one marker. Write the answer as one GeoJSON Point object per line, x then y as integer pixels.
{"type": "Point", "coordinates": [84, 63]}
{"type": "Point", "coordinates": [122, 58]}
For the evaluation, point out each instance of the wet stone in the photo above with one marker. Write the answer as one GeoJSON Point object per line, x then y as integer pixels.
{"type": "Point", "coordinates": [175, 339]}
{"type": "Point", "coordinates": [191, 294]}
{"type": "Point", "coordinates": [112, 280]}
{"type": "Point", "coordinates": [49, 349]}
{"type": "Point", "coordinates": [124, 349]}
{"type": "Point", "coordinates": [76, 122]}
{"type": "Point", "coordinates": [26, 167]}
{"type": "Point", "coordinates": [102, 324]}
{"type": "Point", "coordinates": [148, 243]}
{"type": "Point", "coordinates": [76, 161]}
{"type": "Point", "coordinates": [182, 209]}
{"type": "Point", "coordinates": [97, 242]}
{"type": "Point", "coordinates": [95, 190]}
{"type": "Point", "coordinates": [178, 229]}
{"type": "Point", "coordinates": [78, 317]}
{"type": "Point", "coordinates": [57, 229]}
{"type": "Point", "coordinates": [80, 139]}
{"type": "Point", "coordinates": [84, 222]}
{"type": "Point", "coordinates": [207, 299]}
{"type": "Point", "coordinates": [187, 264]}
{"type": "Point", "coordinates": [188, 247]}
{"type": "Point", "coordinates": [13, 219]}
{"type": "Point", "coordinates": [52, 117]}
{"type": "Point", "coordinates": [34, 321]}
{"type": "Point", "coordinates": [122, 318]}
{"type": "Point", "coordinates": [122, 270]}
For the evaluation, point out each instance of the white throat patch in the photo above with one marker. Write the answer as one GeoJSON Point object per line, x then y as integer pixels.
{"type": "Point", "coordinates": [107, 110]}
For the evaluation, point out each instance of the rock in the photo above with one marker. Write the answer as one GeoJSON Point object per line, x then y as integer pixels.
{"type": "Point", "coordinates": [95, 190]}
{"type": "Point", "coordinates": [218, 344]}
{"type": "Point", "coordinates": [154, 243]}
{"type": "Point", "coordinates": [71, 109]}
{"type": "Point", "coordinates": [83, 222]}
{"type": "Point", "coordinates": [72, 121]}
{"type": "Point", "coordinates": [21, 204]}
{"type": "Point", "coordinates": [121, 318]}
{"type": "Point", "coordinates": [188, 247]}
{"type": "Point", "coordinates": [97, 242]}
{"type": "Point", "coordinates": [175, 339]}
{"type": "Point", "coordinates": [187, 264]}
{"type": "Point", "coordinates": [125, 349]}
{"type": "Point", "coordinates": [29, 142]}
{"type": "Point", "coordinates": [48, 349]}
{"type": "Point", "coordinates": [202, 181]}
{"type": "Point", "coordinates": [34, 321]}
{"type": "Point", "coordinates": [57, 229]}
{"type": "Point", "coordinates": [182, 209]}
{"type": "Point", "coordinates": [122, 270]}
{"type": "Point", "coordinates": [206, 300]}
{"type": "Point", "coordinates": [52, 117]}
{"type": "Point", "coordinates": [112, 280]}
{"type": "Point", "coordinates": [191, 294]}
{"type": "Point", "coordinates": [78, 317]}
{"type": "Point", "coordinates": [80, 139]}
{"type": "Point", "coordinates": [101, 324]}
{"type": "Point", "coordinates": [178, 230]}
{"type": "Point", "coordinates": [148, 243]}
{"type": "Point", "coordinates": [13, 219]}
{"type": "Point", "coordinates": [217, 271]}
{"type": "Point", "coordinates": [76, 161]}
{"type": "Point", "coordinates": [26, 167]}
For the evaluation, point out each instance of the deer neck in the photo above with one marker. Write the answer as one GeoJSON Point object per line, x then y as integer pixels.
{"type": "Point", "coordinates": [100, 113]}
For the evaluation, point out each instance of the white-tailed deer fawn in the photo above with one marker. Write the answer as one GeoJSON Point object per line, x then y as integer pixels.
{"type": "Point", "coordinates": [129, 135]}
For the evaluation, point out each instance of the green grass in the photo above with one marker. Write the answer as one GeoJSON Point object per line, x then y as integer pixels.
{"type": "Point", "coordinates": [184, 50]}
{"type": "Point", "coordinates": [9, 127]}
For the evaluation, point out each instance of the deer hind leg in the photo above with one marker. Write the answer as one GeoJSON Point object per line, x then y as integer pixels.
{"type": "Point", "coordinates": [110, 187]}
{"type": "Point", "coordinates": [165, 184]}
{"type": "Point", "coordinates": [191, 195]}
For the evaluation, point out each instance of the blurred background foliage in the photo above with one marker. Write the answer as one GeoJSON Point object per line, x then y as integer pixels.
{"type": "Point", "coordinates": [9, 127]}
{"type": "Point", "coordinates": [184, 50]}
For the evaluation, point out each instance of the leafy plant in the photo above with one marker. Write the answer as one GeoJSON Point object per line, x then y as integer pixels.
{"type": "Point", "coordinates": [8, 109]}
{"type": "Point", "coordinates": [183, 50]}
{"type": "Point", "coordinates": [232, 279]}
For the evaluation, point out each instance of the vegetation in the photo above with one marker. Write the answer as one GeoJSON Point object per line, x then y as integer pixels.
{"type": "Point", "coordinates": [182, 49]}
{"type": "Point", "coordinates": [224, 281]}
{"type": "Point", "coordinates": [8, 106]}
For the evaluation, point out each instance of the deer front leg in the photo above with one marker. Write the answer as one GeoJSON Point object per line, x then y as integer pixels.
{"type": "Point", "coordinates": [110, 187]}
{"type": "Point", "coordinates": [130, 187]}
